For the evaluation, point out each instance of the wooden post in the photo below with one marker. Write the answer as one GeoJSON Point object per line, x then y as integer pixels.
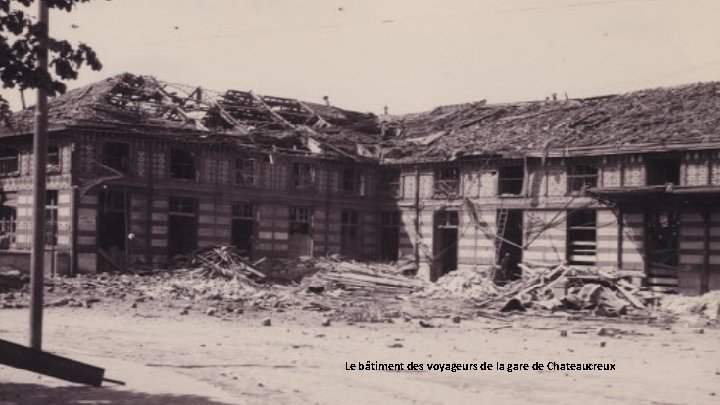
{"type": "Point", "coordinates": [37, 265]}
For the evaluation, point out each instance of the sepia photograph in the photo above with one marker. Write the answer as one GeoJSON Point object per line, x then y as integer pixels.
{"type": "Point", "coordinates": [329, 202]}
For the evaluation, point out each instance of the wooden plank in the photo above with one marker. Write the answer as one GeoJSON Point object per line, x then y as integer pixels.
{"type": "Point", "coordinates": [18, 356]}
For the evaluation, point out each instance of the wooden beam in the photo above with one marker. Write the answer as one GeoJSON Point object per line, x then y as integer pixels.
{"type": "Point", "coordinates": [18, 356]}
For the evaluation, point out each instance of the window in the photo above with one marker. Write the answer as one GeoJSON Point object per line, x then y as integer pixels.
{"type": "Point", "coordinates": [117, 156]}
{"type": "Point", "coordinates": [581, 177]}
{"type": "Point", "coordinates": [243, 211]}
{"type": "Point", "coordinates": [446, 219]}
{"type": "Point", "coordinates": [303, 175]}
{"type": "Point", "coordinates": [352, 181]}
{"type": "Point", "coordinates": [8, 161]}
{"type": "Point", "coordinates": [661, 171]}
{"type": "Point", "coordinates": [182, 165]}
{"type": "Point", "coordinates": [447, 182]}
{"type": "Point", "coordinates": [182, 206]}
{"type": "Point", "coordinates": [245, 171]}
{"type": "Point", "coordinates": [300, 220]}
{"type": "Point", "coordinates": [51, 217]}
{"type": "Point", "coordinates": [510, 181]}
{"type": "Point", "coordinates": [582, 237]}
{"type": "Point", "coordinates": [390, 182]}
{"type": "Point", "coordinates": [8, 226]}
{"type": "Point", "coordinates": [53, 158]}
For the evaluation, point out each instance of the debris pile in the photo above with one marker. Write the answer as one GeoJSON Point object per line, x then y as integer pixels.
{"type": "Point", "coordinates": [464, 283]}
{"type": "Point", "coordinates": [707, 305]}
{"type": "Point", "coordinates": [225, 262]}
{"type": "Point", "coordinates": [354, 276]}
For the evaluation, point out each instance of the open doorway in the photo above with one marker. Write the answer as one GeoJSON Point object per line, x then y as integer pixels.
{"type": "Point", "coordinates": [389, 235]}
{"type": "Point", "coordinates": [510, 241]}
{"type": "Point", "coordinates": [350, 238]}
{"type": "Point", "coordinates": [112, 229]}
{"type": "Point", "coordinates": [445, 243]}
{"type": "Point", "coordinates": [300, 241]}
{"type": "Point", "coordinates": [662, 245]}
{"type": "Point", "coordinates": [182, 226]}
{"type": "Point", "coordinates": [243, 227]}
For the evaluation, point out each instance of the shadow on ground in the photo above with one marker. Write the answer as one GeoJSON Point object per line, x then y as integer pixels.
{"type": "Point", "coordinates": [31, 394]}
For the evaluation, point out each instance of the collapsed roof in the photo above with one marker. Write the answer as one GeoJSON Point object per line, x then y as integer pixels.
{"type": "Point", "coordinates": [683, 114]}
{"type": "Point", "coordinates": [148, 106]}
{"type": "Point", "coordinates": [144, 105]}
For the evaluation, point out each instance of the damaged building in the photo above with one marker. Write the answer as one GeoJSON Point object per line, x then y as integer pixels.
{"type": "Point", "coordinates": [140, 171]}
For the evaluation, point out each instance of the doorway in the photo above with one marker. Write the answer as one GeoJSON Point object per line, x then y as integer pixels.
{"type": "Point", "coordinates": [510, 231]}
{"type": "Point", "coordinates": [445, 243]}
{"type": "Point", "coordinates": [300, 241]}
{"type": "Point", "coordinates": [112, 229]}
{"type": "Point", "coordinates": [350, 242]}
{"type": "Point", "coordinates": [243, 228]}
{"type": "Point", "coordinates": [182, 226]}
{"type": "Point", "coordinates": [662, 246]}
{"type": "Point", "coordinates": [389, 235]}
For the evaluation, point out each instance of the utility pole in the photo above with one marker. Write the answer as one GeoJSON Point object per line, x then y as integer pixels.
{"type": "Point", "coordinates": [37, 255]}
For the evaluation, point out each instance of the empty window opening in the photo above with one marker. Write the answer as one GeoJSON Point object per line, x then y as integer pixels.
{"type": "Point", "coordinates": [116, 155]}
{"type": "Point", "coordinates": [243, 227]}
{"type": "Point", "coordinates": [8, 161]}
{"type": "Point", "coordinates": [582, 237]}
{"type": "Point", "coordinates": [352, 181]}
{"type": "Point", "coordinates": [662, 171]}
{"type": "Point", "coordinates": [51, 218]}
{"type": "Point", "coordinates": [581, 177]}
{"type": "Point", "coordinates": [303, 175]}
{"type": "Point", "coordinates": [182, 225]}
{"type": "Point", "coordinates": [445, 243]}
{"type": "Point", "coordinates": [350, 242]}
{"type": "Point", "coordinates": [510, 180]}
{"type": "Point", "coordinates": [389, 235]}
{"type": "Point", "coordinates": [53, 159]}
{"type": "Point", "coordinates": [446, 182]}
{"type": "Point", "coordinates": [245, 171]}
{"type": "Point", "coordinates": [182, 165]}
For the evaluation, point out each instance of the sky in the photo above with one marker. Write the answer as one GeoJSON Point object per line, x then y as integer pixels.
{"type": "Point", "coordinates": [408, 55]}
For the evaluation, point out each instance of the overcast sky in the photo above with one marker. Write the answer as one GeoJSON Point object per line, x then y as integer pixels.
{"type": "Point", "coordinates": [411, 55]}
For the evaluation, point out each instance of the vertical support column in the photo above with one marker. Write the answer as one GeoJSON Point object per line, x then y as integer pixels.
{"type": "Point", "coordinates": [37, 265]}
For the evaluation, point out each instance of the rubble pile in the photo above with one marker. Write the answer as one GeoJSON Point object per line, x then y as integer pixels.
{"type": "Point", "coordinates": [354, 276]}
{"type": "Point", "coordinates": [465, 283]}
{"type": "Point", "coordinates": [707, 305]}
{"type": "Point", "coordinates": [223, 261]}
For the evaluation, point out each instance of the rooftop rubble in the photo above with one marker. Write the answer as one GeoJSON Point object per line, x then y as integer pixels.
{"type": "Point", "coordinates": [143, 104]}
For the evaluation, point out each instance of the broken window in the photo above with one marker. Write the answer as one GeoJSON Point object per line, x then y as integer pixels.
{"type": "Point", "coordinates": [182, 165]}
{"type": "Point", "coordinates": [510, 180]}
{"type": "Point", "coordinates": [350, 244]}
{"type": "Point", "coordinates": [51, 217]}
{"type": "Point", "coordinates": [582, 237]}
{"type": "Point", "coordinates": [303, 175]}
{"type": "Point", "coordinates": [663, 171]}
{"type": "Point", "coordinates": [8, 161]}
{"type": "Point", "coordinates": [581, 177]}
{"type": "Point", "coordinates": [447, 182]}
{"type": "Point", "coordinates": [390, 182]}
{"type": "Point", "coordinates": [245, 171]}
{"type": "Point", "coordinates": [352, 181]}
{"type": "Point", "coordinates": [53, 159]}
{"type": "Point", "coordinates": [300, 220]}
{"type": "Point", "coordinates": [8, 226]}
{"type": "Point", "coordinates": [117, 156]}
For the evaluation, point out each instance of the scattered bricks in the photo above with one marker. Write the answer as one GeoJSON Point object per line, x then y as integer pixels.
{"type": "Point", "coordinates": [456, 319]}
{"type": "Point", "coordinates": [326, 322]}
{"type": "Point", "coordinates": [563, 332]}
{"type": "Point", "coordinates": [266, 322]}
{"type": "Point", "coordinates": [603, 344]}
{"type": "Point", "coordinates": [425, 324]}
{"type": "Point", "coordinates": [395, 345]}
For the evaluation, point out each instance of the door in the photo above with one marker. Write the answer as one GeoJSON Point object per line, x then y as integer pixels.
{"type": "Point", "coordinates": [300, 241]}
{"type": "Point", "coordinates": [112, 229]}
{"type": "Point", "coordinates": [445, 243]}
{"type": "Point", "coordinates": [510, 230]}
{"type": "Point", "coordinates": [350, 243]}
{"type": "Point", "coordinates": [182, 226]}
{"type": "Point", "coordinates": [389, 236]}
{"type": "Point", "coordinates": [243, 228]}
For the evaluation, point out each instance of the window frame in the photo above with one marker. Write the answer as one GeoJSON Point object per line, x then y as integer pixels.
{"type": "Point", "coordinates": [123, 166]}
{"type": "Point", "coordinates": [445, 185]}
{"type": "Point", "coordinates": [302, 179]}
{"type": "Point", "coordinates": [188, 171]}
{"type": "Point", "coordinates": [9, 162]}
{"type": "Point", "coordinates": [504, 179]}
{"type": "Point", "coordinates": [246, 171]}
{"type": "Point", "coordinates": [576, 176]}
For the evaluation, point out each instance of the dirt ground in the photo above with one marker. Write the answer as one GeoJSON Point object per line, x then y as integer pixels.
{"type": "Point", "coordinates": [297, 360]}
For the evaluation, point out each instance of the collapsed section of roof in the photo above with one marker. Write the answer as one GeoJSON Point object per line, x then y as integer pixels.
{"type": "Point", "coordinates": [149, 106]}
{"type": "Point", "coordinates": [683, 114]}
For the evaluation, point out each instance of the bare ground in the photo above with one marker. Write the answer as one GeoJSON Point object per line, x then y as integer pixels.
{"type": "Point", "coordinates": [298, 361]}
